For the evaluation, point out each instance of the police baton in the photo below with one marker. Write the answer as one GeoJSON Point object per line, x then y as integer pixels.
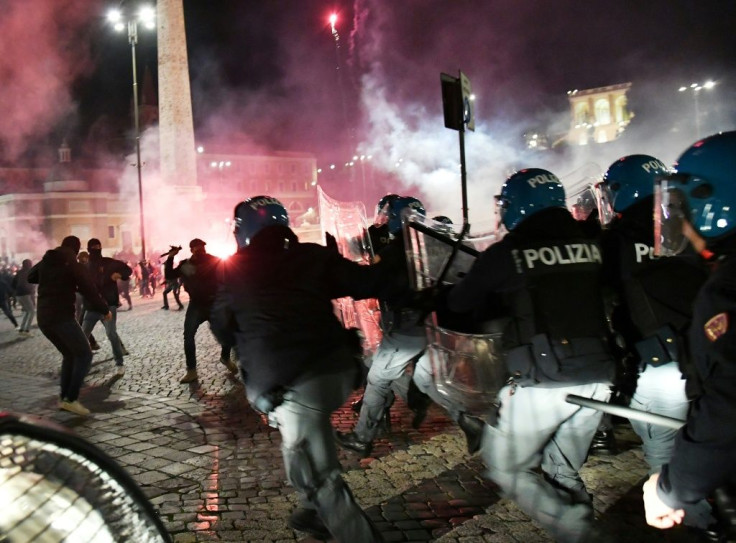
{"type": "Point", "coordinates": [626, 412]}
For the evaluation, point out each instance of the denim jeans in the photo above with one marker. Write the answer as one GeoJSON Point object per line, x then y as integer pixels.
{"type": "Point", "coordinates": [92, 317]}
{"type": "Point", "coordinates": [68, 337]}
{"type": "Point", "coordinates": [172, 286]}
{"type": "Point", "coordinates": [5, 307]}
{"type": "Point", "coordinates": [194, 317]}
{"type": "Point", "coordinates": [29, 310]}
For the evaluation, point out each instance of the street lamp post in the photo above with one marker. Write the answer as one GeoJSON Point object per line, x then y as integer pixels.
{"type": "Point", "coordinates": [696, 88]}
{"type": "Point", "coordinates": [146, 16]}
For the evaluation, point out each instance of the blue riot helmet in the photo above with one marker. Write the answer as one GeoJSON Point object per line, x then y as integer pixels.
{"type": "Point", "coordinates": [527, 192]}
{"type": "Point", "coordinates": [442, 220]}
{"type": "Point", "coordinates": [628, 180]}
{"type": "Point", "coordinates": [381, 217]}
{"type": "Point", "coordinates": [254, 214]}
{"type": "Point", "coordinates": [701, 192]}
{"type": "Point", "coordinates": [398, 208]}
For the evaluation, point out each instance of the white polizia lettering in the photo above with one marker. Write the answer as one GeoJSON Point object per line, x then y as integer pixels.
{"type": "Point", "coordinates": [260, 202]}
{"type": "Point", "coordinates": [541, 179]}
{"type": "Point", "coordinates": [654, 165]}
{"type": "Point", "coordinates": [643, 251]}
{"type": "Point", "coordinates": [573, 253]}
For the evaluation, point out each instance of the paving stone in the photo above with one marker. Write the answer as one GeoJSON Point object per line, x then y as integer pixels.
{"type": "Point", "coordinates": [213, 469]}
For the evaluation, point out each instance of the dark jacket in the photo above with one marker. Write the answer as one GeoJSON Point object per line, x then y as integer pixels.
{"type": "Point", "coordinates": [59, 276]}
{"type": "Point", "coordinates": [546, 274]}
{"type": "Point", "coordinates": [20, 284]}
{"type": "Point", "coordinates": [702, 460]}
{"type": "Point", "coordinates": [198, 275]}
{"type": "Point", "coordinates": [653, 297]}
{"type": "Point", "coordinates": [393, 288]}
{"type": "Point", "coordinates": [278, 294]}
{"type": "Point", "coordinates": [101, 269]}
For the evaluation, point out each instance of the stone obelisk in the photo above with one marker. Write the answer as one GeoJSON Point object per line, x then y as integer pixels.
{"type": "Point", "coordinates": [176, 128]}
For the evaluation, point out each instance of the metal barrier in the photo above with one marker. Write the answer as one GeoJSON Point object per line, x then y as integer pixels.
{"type": "Point", "coordinates": [55, 486]}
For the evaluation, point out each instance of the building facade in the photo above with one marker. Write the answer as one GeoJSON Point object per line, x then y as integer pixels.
{"type": "Point", "coordinates": [39, 207]}
{"type": "Point", "coordinates": [599, 115]}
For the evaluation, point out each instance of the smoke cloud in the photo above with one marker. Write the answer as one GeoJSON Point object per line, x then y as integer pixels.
{"type": "Point", "coordinates": [44, 50]}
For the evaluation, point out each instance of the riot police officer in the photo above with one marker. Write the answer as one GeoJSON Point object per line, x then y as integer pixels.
{"type": "Point", "coordinates": [378, 232]}
{"type": "Point", "coordinates": [404, 338]}
{"type": "Point", "coordinates": [698, 202]}
{"type": "Point", "coordinates": [652, 307]}
{"type": "Point", "coordinates": [423, 376]}
{"type": "Point", "coordinates": [547, 274]}
{"type": "Point", "coordinates": [297, 370]}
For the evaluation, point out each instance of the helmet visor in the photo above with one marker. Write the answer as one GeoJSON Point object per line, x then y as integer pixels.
{"type": "Point", "coordinates": [502, 206]}
{"type": "Point", "coordinates": [670, 217]}
{"type": "Point", "coordinates": [381, 217]}
{"type": "Point", "coordinates": [604, 201]}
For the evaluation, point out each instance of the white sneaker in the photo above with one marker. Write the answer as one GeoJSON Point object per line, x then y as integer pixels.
{"type": "Point", "coordinates": [120, 370]}
{"type": "Point", "coordinates": [74, 407]}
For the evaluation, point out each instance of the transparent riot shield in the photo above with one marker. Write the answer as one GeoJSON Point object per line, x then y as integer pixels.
{"type": "Point", "coordinates": [347, 222]}
{"type": "Point", "coordinates": [467, 368]}
{"type": "Point", "coordinates": [55, 486]}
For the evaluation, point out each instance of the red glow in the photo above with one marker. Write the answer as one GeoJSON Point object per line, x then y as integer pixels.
{"type": "Point", "coordinates": [333, 19]}
{"type": "Point", "coordinates": [221, 249]}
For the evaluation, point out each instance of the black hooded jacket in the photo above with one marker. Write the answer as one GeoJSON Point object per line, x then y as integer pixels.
{"type": "Point", "coordinates": [198, 275]}
{"type": "Point", "coordinates": [59, 276]}
{"type": "Point", "coordinates": [277, 294]}
{"type": "Point", "coordinates": [101, 269]}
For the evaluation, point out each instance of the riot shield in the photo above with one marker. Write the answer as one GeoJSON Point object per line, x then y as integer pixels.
{"type": "Point", "coordinates": [467, 368]}
{"type": "Point", "coordinates": [346, 221]}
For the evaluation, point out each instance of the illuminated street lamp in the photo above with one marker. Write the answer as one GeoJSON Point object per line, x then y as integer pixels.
{"type": "Point", "coordinates": [146, 16]}
{"type": "Point", "coordinates": [696, 88]}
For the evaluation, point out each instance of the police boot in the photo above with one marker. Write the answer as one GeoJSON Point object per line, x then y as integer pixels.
{"type": "Point", "coordinates": [473, 429]}
{"type": "Point", "coordinates": [308, 521]}
{"type": "Point", "coordinates": [418, 402]}
{"type": "Point", "coordinates": [604, 442]}
{"type": "Point", "coordinates": [351, 441]}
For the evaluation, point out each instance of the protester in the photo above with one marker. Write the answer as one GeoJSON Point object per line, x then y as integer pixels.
{"type": "Point", "coordinates": [59, 276]}
{"type": "Point", "coordinates": [199, 277]}
{"type": "Point", "coordinates": [105, 273]}
{"type": "Point", "coordinates": [26, 295]}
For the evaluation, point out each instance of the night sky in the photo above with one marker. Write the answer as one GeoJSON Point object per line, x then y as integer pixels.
{"type": "Point", "coordinates": [264, 74]}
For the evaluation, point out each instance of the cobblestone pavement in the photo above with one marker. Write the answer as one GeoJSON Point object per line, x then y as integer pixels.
{"type": "Point", "coordinates": [213, 469]}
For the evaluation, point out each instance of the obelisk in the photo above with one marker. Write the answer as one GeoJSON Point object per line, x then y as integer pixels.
{"type": "Point", "coordinates": [176, 129]}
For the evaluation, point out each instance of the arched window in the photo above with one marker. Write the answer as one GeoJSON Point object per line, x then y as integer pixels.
{"type": "Point", "coordinates": [602, 111]}
{"type": "Point", "coordinates": [620, 109]}
{"type": "Point", "coordinates": [581, 113]}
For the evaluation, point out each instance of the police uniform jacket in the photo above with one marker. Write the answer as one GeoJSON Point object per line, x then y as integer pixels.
{"type": "Point", "coordinates": [277, 293]}
{"type": "Point", "coordinates": [399, 302]}
{"type": "Point", "coordinates": [101, 269]}
{"type": "Point", "coordinates": [59, 276]}
{"type": "Point", "coordinates": [198, 275]}
{"type": "Point", "coordinates": [702, 460]}
{"type": "Point", "coordinates": [546, 273]}
{"type": "Point", "coordinates": [653, 296]}
{"type": "Point", "coordinates": [379, 237]}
